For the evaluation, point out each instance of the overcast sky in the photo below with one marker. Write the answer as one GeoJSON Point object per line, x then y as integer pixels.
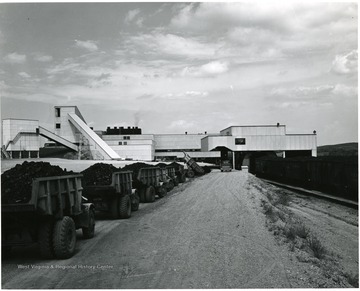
{"type": "Point", "coordinates": [176, 67]}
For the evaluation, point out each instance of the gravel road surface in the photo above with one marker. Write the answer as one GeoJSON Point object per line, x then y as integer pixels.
{"type": "Point", "coordinates": [207, 233]}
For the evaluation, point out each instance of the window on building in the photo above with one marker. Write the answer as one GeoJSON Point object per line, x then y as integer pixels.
{"type": "Point", "coordinates": [120, 142]}
{"type": "Point", "coordinates": [57, 112]}
{"type": "Point", "coordinates": [58, 125]}
{"type": "Point", "coordinates": [126, 137]}
{"type": "Point", "coordinates": [240, 141]}
{"type": "Point", "coordinates": [125, 142]}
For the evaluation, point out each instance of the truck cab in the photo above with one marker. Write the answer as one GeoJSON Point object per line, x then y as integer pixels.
{"type": "Point", "coordinates": [225, 166]}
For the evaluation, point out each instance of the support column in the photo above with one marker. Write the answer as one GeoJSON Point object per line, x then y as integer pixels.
{"type": "Point", "coordinates": [283, 155]}
{"type": "Point", "coordinates": [233, 160]}
{"type": "Point", "coordinates": [38, 154]}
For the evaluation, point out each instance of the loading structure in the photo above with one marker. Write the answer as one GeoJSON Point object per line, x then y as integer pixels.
{"type": "Point", "coordinates": [71, 126]}
{"type": "Point", "coordinates": [237, 143]}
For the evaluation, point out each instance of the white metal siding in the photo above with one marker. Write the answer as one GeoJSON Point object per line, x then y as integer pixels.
{"type": "Point", "coordinates": [25, 142]}
{"type": "Point", "coordinates": [135, 152]}
{"type": "Point", "coordinates": [66, 130]}
{"type": "Point", "coordinates": [254, 130]}
{"type": "Point", "coordinates": [262, 142]}
{"type": "Point", "coordinates": [178, 141]}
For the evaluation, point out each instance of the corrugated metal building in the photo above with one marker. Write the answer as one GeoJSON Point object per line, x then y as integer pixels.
{"type": "Point", "coordinates": [234, 142]}
{"type": "Point", "coordinates": [19, 138]}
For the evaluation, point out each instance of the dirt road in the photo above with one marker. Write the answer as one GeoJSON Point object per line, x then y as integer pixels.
{"type": "Point", "coordinates": [207, 233]}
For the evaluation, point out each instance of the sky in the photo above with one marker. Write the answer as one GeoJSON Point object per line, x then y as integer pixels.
{"type": "Point", "coordinates": [176, 67]}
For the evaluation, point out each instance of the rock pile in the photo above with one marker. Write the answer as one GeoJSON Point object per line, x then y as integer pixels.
{"type": "Point", "coordinates": [98, 174]}
{"type": "Point", "coordinates": [16, 183]}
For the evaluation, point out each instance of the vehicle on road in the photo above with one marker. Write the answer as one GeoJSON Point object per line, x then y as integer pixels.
{"type": "Point", "coordinates": [118, 198]}
{"type": "Point", "coordinates": [149, 183]}
{"type": "Point", "coordinates": [193, 167]}
{"type": "Point", "coordinates": [50, 218]}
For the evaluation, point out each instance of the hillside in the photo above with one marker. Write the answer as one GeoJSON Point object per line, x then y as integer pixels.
{"type": "Point", "coordinates": [344, 149]}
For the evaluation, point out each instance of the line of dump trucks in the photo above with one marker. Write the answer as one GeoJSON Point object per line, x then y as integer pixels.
{"type": "Point", "coordinates": [52, 208]}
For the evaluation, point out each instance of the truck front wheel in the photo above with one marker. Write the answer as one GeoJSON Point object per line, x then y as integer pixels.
{"type": "Point", "coordinates": [162, 191]}
{"type": "Point", "coordinates": [64, 238]}
{"type": "Point", "coordinates": [142, 195]}
{"type": "Point", "coordinates": [89, 232]}
{"type": "Point", "coordinates": [114, 208]}
{"type": "Point", "coordinates": [125, 207]}
{"type": "Point", "coordinates": [150, 194]}
{"type": "Point", "coordinates": [170, 185]}
{"type": "Point", "coordinates": [45, 239]}
{"type": "Point", "coordinates": [183, 178]}
{"type": "Point", "coordinates": [190, 174]}
{"type": "Point", "coordinates": [135, 202]}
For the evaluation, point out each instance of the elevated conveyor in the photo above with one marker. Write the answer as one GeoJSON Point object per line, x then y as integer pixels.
{"type": "Point", "coordinates": [101, 146]}
{"type": "Point", "coordinates": [56, 138]}
{"type": "Point", "coordinates": [4, 153]}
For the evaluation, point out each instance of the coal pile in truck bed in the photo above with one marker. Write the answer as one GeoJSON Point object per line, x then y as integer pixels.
{"type": "Point", "coordinates": [161, 165]}
{"type": "Point", "coordinates": [99, 174]}
{"type": "Point", "coordinates": [136, 167]}
{"type": "Point", "coordinates": [207, 169]}
{"type": "Point", "coordinates": [16, 183]}
{"type": "Point", "coordinates": [176, 165]}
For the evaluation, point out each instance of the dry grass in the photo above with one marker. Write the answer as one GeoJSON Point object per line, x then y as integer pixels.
{"type": "Point", "coordinates": [315, 245]}
{"type": "Point", "coordinates": [353, 279]}
{"type": "Point", "coordinates": [283, 199]}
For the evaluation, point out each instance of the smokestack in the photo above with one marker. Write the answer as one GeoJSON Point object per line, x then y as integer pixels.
{"type": "Point", "coordinates": [137, 118]}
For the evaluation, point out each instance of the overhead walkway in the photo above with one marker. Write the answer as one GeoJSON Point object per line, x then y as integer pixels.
{"type": "Point", "coordinates": [106, 151]}
{"type": "Point", "coordinates": [56, 138]}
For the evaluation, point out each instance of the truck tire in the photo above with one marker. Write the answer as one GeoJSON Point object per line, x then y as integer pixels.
{"type": "Point", "coordinates": [64, 238]}
{"type": "Point", "coordinates": [183, 178]}
{"type": "Point", "coordinates": [114, 208]}
{"type": "Point", "coordinates": [162, 191]}
{"type": "Point", "coordinates": [190, 174]}
{"type": "Point", "coordinates": [5, 252]}
{"type": "Point", "coordinates": [89, 232]}
{"type": "Point", "coordinates": [45, 239]}
{"type": "Point", "coordinates": [135, 202]}
{"type": "Point", "coordinates": [176, 181]}
{"type": "Point", "coordinates": [142, 195]}
{"type": "Point", "coordinates": [125, 207]}
{"type": "Point", "coordinates": [170, 185]}
{"type": "Point", "coordinates": [150, 194]}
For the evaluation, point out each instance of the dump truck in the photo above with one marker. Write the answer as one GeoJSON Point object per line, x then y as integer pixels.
{"type": "Point", "coordinates": [193, 167]}
{"type": "Point", "coordinates": [50, 218]}
{"type": "Point", "coordinates": [171, 172]}
{"type": "Point", "coordinates": [119, 198]}
{"type": "Point", "coordinates": [168, 182]}
{"type": "Point", "coordinates": [180, 172]}
{"type": "Point", "coordinates": [148, 182]}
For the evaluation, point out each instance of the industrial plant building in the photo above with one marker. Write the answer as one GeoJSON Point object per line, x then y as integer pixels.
{"type": "Point", "coordinates": [21, 139]}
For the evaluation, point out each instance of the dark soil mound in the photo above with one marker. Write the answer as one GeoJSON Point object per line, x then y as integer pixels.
{"type": "Point", "coordinates": [161, 165]}
{"type": "Point", "coordinates": [176, 165]}
{"type": "Point", "coordinates": [98, 174]}
{"type": "Point", "coordinates": [207, 169]}
{"type": "Point", "coordinates": [16, 183]}
{"type": "Point", "coordinates": [136, 167]}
